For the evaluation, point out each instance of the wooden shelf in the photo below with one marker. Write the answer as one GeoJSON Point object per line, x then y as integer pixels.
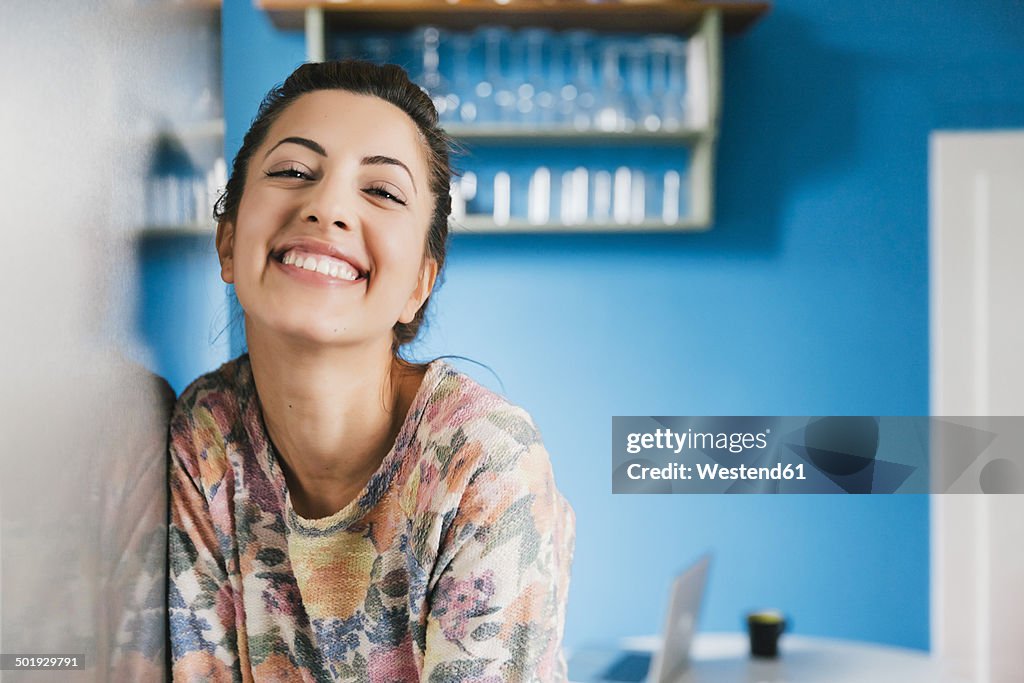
{"type": "Point", "coordinates": [656, 16]}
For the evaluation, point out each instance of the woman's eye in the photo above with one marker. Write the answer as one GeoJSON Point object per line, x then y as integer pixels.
{"type": "Point", "coordinates": [385, 193]}
{"type": "Point", "coordinates": [290, 172]}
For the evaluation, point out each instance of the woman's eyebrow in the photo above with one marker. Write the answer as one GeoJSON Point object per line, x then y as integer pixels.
{"type": "Point", "coordinates": [378, 160]}
{"type": "Point", "coordinates": [305, 142]}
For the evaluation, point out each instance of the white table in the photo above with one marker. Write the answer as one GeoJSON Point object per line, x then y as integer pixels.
{"type": "Point", "coordinates": [725, 658]}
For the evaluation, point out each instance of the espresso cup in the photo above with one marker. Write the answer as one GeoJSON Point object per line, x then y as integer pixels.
{"type": "Point", "coordinates": [765, 627]}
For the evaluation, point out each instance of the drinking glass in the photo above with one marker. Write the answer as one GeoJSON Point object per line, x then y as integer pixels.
{"type": "Point", "coordinates": [642, 105]}
{"type": "Point", "coordinates": [658, 48]}
{"type": "Point", "coordinates": [673, 104]}
{"type": "Point", "coordinates": [611, 110]}
{"type": "Point", "coordinates": [502, 211]}
{"type": "Point", "coordinates": [538, 211]}
{"type": "Point", "coordinates": [601, 204]}
{"type": "Point", "coordinates": [536, 100]}
{"type": "Point", "coordinates": [461, 79]}
{"type": "Point", "coordinates": [578, 98]}
{"type": "Point", "coordinates": [497, 102]}
{"type": "Point", "coordinates": [671, 194]}
{"type": "Point", "coordinates": [569, 195]}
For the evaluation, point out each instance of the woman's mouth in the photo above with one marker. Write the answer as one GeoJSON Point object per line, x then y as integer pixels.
{"type": "Point", "coordinates": [320, 263]}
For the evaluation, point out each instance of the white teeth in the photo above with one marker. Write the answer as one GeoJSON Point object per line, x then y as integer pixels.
{"type": "Point", "coordinates": [344, 272]}
{"type": "Point", "coordinates": [325, 266]}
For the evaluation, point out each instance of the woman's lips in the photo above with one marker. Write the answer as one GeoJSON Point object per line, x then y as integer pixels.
{"type": "Point", "coordinates": [320, 263]}
{"type": "Point", "coordinates": [314, 275]}
{"type": "Point", "coordinates": [305, 247]}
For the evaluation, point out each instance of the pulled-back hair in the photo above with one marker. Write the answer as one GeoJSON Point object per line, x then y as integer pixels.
{"type": "Point", "coordinates": [391, 84]}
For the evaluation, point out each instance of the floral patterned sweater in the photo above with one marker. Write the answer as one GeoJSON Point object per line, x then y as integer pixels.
{"type": "Point", "coordinates": [451, 565]}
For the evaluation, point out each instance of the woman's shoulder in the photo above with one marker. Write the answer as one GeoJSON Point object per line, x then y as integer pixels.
{"type": "Point", "coordinates": [468, 431]}
{"type": "Point", "coordinates": [205, 414]}
{"type": "Point", "coordinates": [483, 465]}
{"type": "Point", "coordinates": [460, 407]}
{"type": "Point", "coordinates": [225, 384]}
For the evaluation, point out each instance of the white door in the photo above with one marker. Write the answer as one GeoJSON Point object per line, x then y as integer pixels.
{"type": "Point", "coordinates": [977, 368]}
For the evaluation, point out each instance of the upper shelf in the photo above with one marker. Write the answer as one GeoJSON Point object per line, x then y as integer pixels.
{"type": "Point", "coordinates": [656, 16]}
{"type": "Point", "coordinates": [538, 135]}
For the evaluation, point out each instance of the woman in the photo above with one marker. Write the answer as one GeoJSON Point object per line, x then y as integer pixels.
{"type": "Point", "coordinates": [339, 513]}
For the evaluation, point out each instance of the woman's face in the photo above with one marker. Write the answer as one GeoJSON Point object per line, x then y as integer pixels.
{"type": "Point", "coordinates": [328, 243]}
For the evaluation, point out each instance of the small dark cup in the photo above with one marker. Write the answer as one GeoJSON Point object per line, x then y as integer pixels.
{"type": "Point", "coordinates": [765, 627]}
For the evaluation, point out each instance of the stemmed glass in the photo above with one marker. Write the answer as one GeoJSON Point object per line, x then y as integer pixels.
{"type": "Point", "coordinates": [426, 45]}
{"type": "Point", "coordinates": [578, 99]}
{"type": "Point", "coordinates": [673, 103]}
{"type": "Point", "coordinates": [496, 100]}
{"type": "Point", "coordinates": [658, 49]}
{"type": "Point", "coordinates": [468, 108]}
{"type": "Point", "coordinates": [536, 101]}
{"type": "Point", "coordinates": [643, 107]}
{"type": "Point", "coordinates": [611, 114]}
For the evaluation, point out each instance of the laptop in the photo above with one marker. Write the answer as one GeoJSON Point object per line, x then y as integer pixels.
{"type": "Point", "coordinates": [667, 663]}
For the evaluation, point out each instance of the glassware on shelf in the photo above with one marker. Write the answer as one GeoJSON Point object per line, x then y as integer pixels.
{"type": "Point", "coordinates": [643, 107]}
{"type": "Point", "coordinates": [574, 196]}
{"type": "Point", "coordinates": [578, 98]}
{"type": "Point", "coordinates": [502, 211]}
{"type": "Point", "coordinates": [426, 43]}
{"type": "Point", "coordinates": [658, 48]}
{"type": "Point", "coordinates": [671, 193]}
{"type": "Point", "coordinates": [467, 186]}
{"type": "Point", "coordinates": [536, 97]}
{"type": "Point", "coordinates": [495, 90]}
{"type": "Point", "coordinates": [601, 206]}
{"type": "Point", "coordinates": [538, 77]}
{"type": "Point", "coordinates": [637, 196]}
{"type": "Point", "coordinates": [461, 45]}
{"type": "Point", "coordinates": [634, 194]}
{"type": "Point", "coordinates": [506, 81]}
{"type": "Point", "coordinates": [611, 113]}
{"type": "Point", "coordinates": [538, 210]}
{"type": "Point", "coordinates": [171, 185]}
{"type": "Point", "coordinates": [674, 114]}
{"type": "Point", "coordinates": [622, 195]}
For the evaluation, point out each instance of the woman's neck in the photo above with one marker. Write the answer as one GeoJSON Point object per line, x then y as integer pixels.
{"type": "Point", "coordinates": [332, 414]}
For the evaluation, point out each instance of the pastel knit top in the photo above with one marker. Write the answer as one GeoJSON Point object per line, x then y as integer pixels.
{"type": "Point", "coordinates": [452, 564]}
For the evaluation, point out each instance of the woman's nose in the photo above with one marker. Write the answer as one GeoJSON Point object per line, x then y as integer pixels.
{"type": "Point", "coordinates": [329, 205]}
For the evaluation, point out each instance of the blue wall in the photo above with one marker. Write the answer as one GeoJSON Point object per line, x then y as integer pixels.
{"type": "Point", "coordinates": [809, 296]}
{"type": "Point", "coordinates": [183, 311]}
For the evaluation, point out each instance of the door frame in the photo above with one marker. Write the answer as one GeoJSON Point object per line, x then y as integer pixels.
{"type": "Point", "coordinates": [975, 588]}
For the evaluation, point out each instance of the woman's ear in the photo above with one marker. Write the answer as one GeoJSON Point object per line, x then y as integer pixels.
{"type": "Point", "coordinates": [424, 286]}
{"type": "Point", "coordinates": [225, 250]}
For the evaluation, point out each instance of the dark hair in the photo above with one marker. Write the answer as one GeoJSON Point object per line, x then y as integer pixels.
{"type": "Point", "coordinates": [391, 84]}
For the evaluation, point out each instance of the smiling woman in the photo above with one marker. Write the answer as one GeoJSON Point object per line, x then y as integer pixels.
{"type": "Point", "coordinates": [337, 512]}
